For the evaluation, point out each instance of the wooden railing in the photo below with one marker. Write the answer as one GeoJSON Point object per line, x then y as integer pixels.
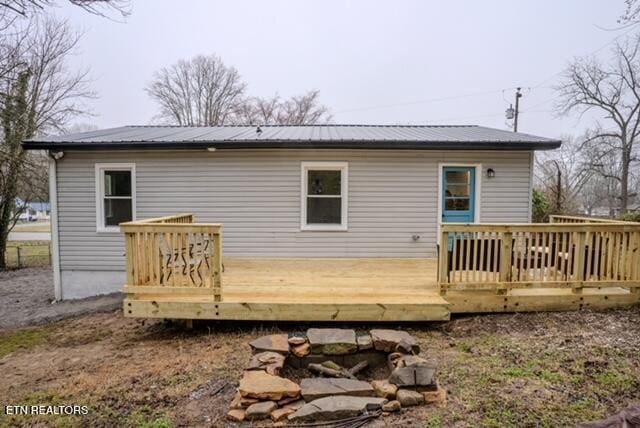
{"type": "Point", "coordinates": [503, 256]}
{"type": "Point", "coordinates": [173, 255]}
{"type": "Point", "coordinates": [579, 219]}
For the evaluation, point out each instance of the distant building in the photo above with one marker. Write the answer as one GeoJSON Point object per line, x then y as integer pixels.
{"type": "Point", "coordinates": [35, 211]}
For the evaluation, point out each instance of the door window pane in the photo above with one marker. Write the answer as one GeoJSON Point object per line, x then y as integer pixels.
{"type": "Point", "coordinates": [117, 183]}
{"type": "Point", "coordinates": [324, 210]}
{"type": "Point", "coordinates": [460, 177]}
{"type": "Point", "coordinates": [323, 182]}
{"type": "Point", "coordinates": [457, 190]}
{"type": "Point", "coordinates": [457, 204]}
{"type": "Point", "coordinates": [117, 211]}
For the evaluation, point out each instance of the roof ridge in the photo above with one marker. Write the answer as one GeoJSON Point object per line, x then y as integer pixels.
{"type": "Point", "coordinates": [344, 125]}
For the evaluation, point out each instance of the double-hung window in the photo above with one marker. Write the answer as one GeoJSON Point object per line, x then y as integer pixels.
{"type": "Point", "coordinates": [324, 195]}
{"type": "Point", "coordinates": [115, 195]}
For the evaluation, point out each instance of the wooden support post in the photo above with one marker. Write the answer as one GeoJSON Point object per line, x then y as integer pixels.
{"type": "Point", "coordinates": [443, 266]}
{"type": "Point", "coordinates": [506, 249]}
{"type": "Point", "coordinates": [579, 264]}
{"type": "Point", "coordinates": [217, 266]}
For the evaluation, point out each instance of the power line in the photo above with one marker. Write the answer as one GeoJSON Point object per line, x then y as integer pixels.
{"type": "Point", "coordinates": [426, 101]}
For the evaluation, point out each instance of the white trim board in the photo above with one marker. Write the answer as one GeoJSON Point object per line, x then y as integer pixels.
{"type": "Point", "coordinates": [99, 186]}
{"type": "Point", "coordinates": [478, 191]}
{"type": "Point", "coordinates": [343, 167]}
{"type": "Point", "coordinates": [55, 245]}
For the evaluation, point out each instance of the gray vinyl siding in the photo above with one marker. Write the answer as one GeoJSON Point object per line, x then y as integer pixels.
{"type": "Point", "coordinates": [256, 196]}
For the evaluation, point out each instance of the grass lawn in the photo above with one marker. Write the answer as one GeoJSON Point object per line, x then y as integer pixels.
{"type": "Point", "coordinates": [511, 370]}
{"type": "Point", "coordinates": [32, 253]}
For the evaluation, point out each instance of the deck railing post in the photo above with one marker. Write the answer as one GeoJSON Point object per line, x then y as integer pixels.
{"type": "Point", "coordinates": [579, 264]}
{"type": "Point", "coordinates": [443, 266]}
{"type": "Point", "coordinates": [217, 263]}
{"type": "Point", "coordinates": [506, 248]}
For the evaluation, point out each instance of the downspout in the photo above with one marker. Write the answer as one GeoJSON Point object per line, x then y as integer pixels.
{"type": "Point", "coordinates": [55, 248]}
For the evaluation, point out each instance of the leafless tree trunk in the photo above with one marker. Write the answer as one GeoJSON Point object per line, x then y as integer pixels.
{"type": "Point", "coordinates": [612, 89]}
{"type": "Point", "coordinates": [37, 94]}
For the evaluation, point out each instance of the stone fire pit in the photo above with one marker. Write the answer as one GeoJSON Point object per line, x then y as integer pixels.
{"type": "Point", "coordinates": [332, 374]}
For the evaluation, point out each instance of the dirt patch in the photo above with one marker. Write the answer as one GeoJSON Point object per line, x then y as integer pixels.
{"type": "Point", "coordinates": [500, 370]}
{"type": "Point", "coordinates": [26, 297]}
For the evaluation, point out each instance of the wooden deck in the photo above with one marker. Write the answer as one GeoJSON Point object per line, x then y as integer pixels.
{"type": "Point", "coordinates": [176, 269]}
{"type": "Point", "coordinates": [310, 289]}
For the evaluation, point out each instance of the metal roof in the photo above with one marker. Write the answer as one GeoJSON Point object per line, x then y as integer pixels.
{"type": "Point", "coordinates": [299, 136]}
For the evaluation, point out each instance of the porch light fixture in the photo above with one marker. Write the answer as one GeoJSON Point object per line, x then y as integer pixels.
{"type": "Point", "coordinates": [491, 173]}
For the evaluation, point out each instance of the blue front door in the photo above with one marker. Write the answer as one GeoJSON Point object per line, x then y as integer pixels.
{"type": "Point", "coordinates": [458, 194]}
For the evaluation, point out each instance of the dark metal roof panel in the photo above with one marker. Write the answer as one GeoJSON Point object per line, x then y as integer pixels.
{"type": "Point", "coordinates": [277, 136]}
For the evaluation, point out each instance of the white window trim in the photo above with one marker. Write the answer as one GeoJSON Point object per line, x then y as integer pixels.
{"type": "Point", "coordinates": [478, 191]}
{"type": "Point", "coordinates": [99, 181]}
{"type": "Point", "coordinates": [343, 167]}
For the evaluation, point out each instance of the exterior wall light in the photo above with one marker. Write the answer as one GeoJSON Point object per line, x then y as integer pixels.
{"type": "Point", "coordinates": [491, 173]}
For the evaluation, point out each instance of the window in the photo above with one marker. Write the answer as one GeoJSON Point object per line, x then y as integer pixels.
{"type": "Point", "coordinates": [457, 190]}
{"type": "Point", "coordinates": [115, 195]}
{"type": "Point", "coordinates": [324, 196]}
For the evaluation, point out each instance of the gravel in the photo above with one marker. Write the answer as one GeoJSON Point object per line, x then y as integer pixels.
{"type": "Point", "coordinates": [26, 298]}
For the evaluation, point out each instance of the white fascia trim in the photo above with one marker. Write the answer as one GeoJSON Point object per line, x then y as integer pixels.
{"type": "Point", "coordinates": [99, 188]}
{"type": "Point", "coordinates": [343, 167]}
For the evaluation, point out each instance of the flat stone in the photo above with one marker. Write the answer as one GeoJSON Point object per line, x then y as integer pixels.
{"type": "Point", "coordinates": [295, 405]}
{"type": "Point", "coordinates": [332, 341]}
{"type": "Point", "coordinates": [317, 387]}
{"type": "Point", "coordinates": [387, 340]}
{"type": "Point", "coordinates": [398, 360]}
{"type": "Point", "coordinates": [408, 398]}
{"type": "Point", "coordinates": [297, 340]}
{"type": "Point", "coordinates": [261, 410]}
{"type": "Point", "coordinates": [263, 386]}
{"type": "Point", "coordinates": [240, 402]}
{"type": "Point", "coordinates": [301, 350]}
{"type": "Point", "coordinates": [439, 396]}
{"type": "Point", "coordinates": [391, 406]}
{"type": "Point", "coordinates": [271, 362]}
{"type": "Point", "coordinates": [384, 389]}
{"type": "Point", "coordinates": [336, 407]}
{"type": "Point", "coordinates": [237, 415]}
{"type": "Point", "coordinates": [364, 342]}
{"type": "Point", "coordinates": [281, 414]}
{"type": "Point", "coordinates": [275, 343]}
{"type": "Point", "coordinates": [414, 376]}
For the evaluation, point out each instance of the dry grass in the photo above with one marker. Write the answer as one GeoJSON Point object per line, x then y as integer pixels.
{"type": "Point", "coordinates": [524, 370]}
{"type": "Point", "coordinates": [32, 253]}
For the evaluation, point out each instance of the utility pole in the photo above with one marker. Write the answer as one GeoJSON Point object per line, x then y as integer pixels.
{"type": "Point", "coordinates": [515, 120]}
{"type": "Point", "coordinates": [513, 114]}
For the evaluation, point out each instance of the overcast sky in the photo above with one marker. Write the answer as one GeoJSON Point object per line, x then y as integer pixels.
{"type": "Point", "coordinates": [373, 61]}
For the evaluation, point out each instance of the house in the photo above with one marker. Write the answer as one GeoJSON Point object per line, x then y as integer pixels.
{"type": "Point", "coordinates": [327, 222]}
{"type": "Point", "coordinates": [34, 211]}
{"type": "Point", "coordinates": [341, 191]}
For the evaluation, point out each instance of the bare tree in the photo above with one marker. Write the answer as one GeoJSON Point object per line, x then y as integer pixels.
{"type": "Point", "coordinates": [561, 175]}
{"type": "Point", "coordinates": [304, 109]}
{"type": "Point", "coordinates": [631, 12]}
{"type": "Point", "coordinates": [27, 8]}
{"type": "Point", "coordinates": [201, 91]}
{"type": "Point", "coordinates": [38, 94]}
{"type": "Point", "coordinates": [613, 90]}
